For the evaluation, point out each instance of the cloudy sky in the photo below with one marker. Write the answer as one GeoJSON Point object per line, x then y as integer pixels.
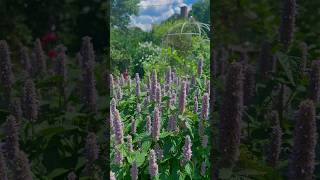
{"type": "Point", "coordinates": [155, 11]}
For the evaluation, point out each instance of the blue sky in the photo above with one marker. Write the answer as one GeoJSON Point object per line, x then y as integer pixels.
{"type": "Point", "coordinates": [155, 11]}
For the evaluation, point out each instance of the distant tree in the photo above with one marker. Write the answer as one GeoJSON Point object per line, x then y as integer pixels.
{"type": "Point", "coordinates": [121, 10]}
{"type": "Point", "coordinates": [201, 11]}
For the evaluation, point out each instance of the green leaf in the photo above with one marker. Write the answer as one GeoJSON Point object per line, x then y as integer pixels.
{"type": "Point", "coordinates": [57, 172]}
{"type": "Point", "coordinates": [284, 61]}
{"type": "Point", "coordinates": [165, 134]}
{"type": "Point", "coordinates": [146, 145]}
{"type": "Point", "coordinates": [188, 169]}
{"type": "Point", "coordinates": [140, 158]}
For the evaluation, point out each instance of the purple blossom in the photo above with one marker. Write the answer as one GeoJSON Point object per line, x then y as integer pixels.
{"type": "Point", "coordinates": [40, 60]}
{"type": "Point", "coordinates": [146, 100]}
{"type": "Point", "coordinates": [118, 156]}
{"type": "Point", "coordinates": [6, 75]}
{"type": "Point", "coordinates": [173, 99]}
{"type": "Point", "coordinates": [15, 109]}
{"type": "Point", "coordinates": [158, 94]}
{"type": "Point", "coordinates": [129, 141]}
{"type": "Point", "coordinates": [112, 176]}
{"type": "Point", "coordinates": [22, 170]}
{"type": "Point", "coordinates": [193, 81]}
{"type": "Point", "coordinates": [111, 123]}
{"type": "Point", "coordinates": [173, 74]}
{"type": "Point", "coordinates": [200, 67]}
{"type": "Point", "coordinates": [205, 107]}
{"type": "Point", "coordinates": [154, 82]}
{"type": "Point", "coordinates": [172, 124]}
{"type": "Point", "coordinates": [89, 89]}
{"type": "Point", "coordinates": [156, 124]}
{"type": "Point", "coordinates": [30, 101]}
{"type": "Point", "coordinates": [208, 87]}
{"type": "Point", "coordinates": [12, 137]}
{"type": "Point", "coordinates": [87, 53]}
{"type": "Point", "coordinates": [137, 77]}
{"type": "Point", "coordinates": [113, 106]}
{"type": "Point", "coordinates": [138, 108]}
{"type": "Point", "coordinates": [60, 68]}
{"type": "Point", "coordinates": [201, 128]}
{"type": "Point", "coordinates": [91, 153]}
{"type": "Point", "coordinates": [118, 128]}
{"type": "Point", "coordinates": [159, 151]}
{"type": "Point", "coordinates": [195, 107]}
{"type": "Point", "coordinates": [153, 166]}
{"type": "Point", "coordinates": [231, 114]}
{"type": "Point", "coordinates": [287, 25]}
{"type": "Point", "coordinates": [187, 87]}
{"type": "Point", "coordinates": [148, 124]}
{"type": "Point", "coordinates": [177, 81]}
{"type": "Point", "coordinates": [302, 162]}
{"type": "Point", "coordinates": [119, 93]}
{"type": "Point", "coordinates": [134, 171]}
{"type": "Point", "coordinates": [182, 97]}
{"type": "Point", "coordinates": [187, 153]}
{"type": "Point", "coordinates": [275, 140]}
{"type": "Point", "coordinates": [204, 141]}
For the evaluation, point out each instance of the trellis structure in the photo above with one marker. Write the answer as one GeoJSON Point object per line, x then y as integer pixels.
{"type": "Point", "coordinates": [179, 37]}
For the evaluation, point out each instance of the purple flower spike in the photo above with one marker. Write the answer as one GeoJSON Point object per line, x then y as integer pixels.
{"type": "Point", "coordinates": [187, 153]}
{"type": "Point", "coordinates": [153, 166]}
{"type": "Point", "coordinates": [134, 171]}
{"type": "Point", "coordinates": [183, 97]}
{"type": "Point", "coordinates": [118, 128]}
{"type": "Point", "coordinates": [156, 124]}
{"type": "Point", "coordinates": [205, 107]}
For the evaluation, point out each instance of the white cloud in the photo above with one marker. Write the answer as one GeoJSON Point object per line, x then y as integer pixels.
{"type": "Point", "coordinates": [155, 11]}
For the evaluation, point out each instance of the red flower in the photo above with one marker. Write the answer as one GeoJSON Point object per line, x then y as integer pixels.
{"type": "Point", "coordinates": [52, 53]}
{"type": "Point", "coordinates": [125, 74]}
{"type": "Point", "coordinates": [49, 37]}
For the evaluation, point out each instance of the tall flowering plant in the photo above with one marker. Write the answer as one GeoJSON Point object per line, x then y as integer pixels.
{"type": "Point", "coordinates": [160, 108]}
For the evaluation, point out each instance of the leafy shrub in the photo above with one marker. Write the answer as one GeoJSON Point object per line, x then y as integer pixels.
{"type": "Point", "coordinates": [179, 131]}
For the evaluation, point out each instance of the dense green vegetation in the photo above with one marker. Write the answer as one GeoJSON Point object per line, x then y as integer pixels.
{"type": "Point", "coordinates": [164, 73]}
{"type": "Point", "coordinates": [279, 42]}
{"type": "Point", "coordinates": [53, 89]}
